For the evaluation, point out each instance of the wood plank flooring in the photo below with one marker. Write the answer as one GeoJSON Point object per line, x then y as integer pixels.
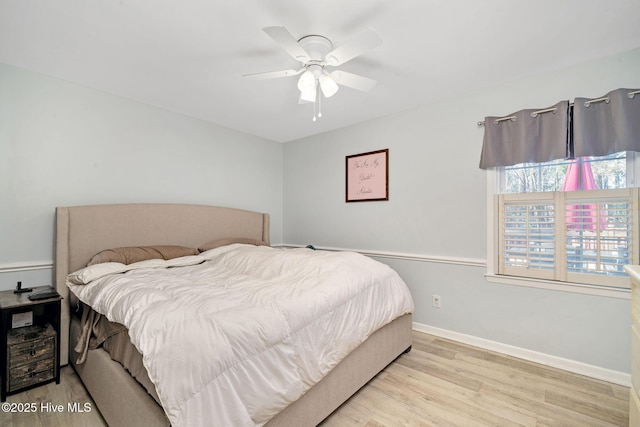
{"type": "Point", "coordinates": [439, 383]}
{"type": "Point", "coordinates": [442, 382]}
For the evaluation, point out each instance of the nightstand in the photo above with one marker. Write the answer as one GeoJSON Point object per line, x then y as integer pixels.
{"type": "Point", "coordinates": [29, 342]}
{"type": "Point", "coordinates": [634, 401]}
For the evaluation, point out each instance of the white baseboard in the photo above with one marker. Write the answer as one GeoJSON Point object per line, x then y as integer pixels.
{"type": "Point", "coordinates": [576, 367]}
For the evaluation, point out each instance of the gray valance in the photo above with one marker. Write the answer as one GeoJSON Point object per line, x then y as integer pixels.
{"type": "Point", "coordinates": [608, 124]}
{"type": "Point", "coordinates": [526, 136]}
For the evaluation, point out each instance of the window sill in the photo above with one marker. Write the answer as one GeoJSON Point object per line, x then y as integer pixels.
{"type": "Point", "coordinates": [578, 288]}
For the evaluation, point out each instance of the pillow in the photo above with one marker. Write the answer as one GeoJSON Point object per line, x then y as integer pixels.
{"type": "Point", "coordinates": [129, 255]}
{"type": "Point", "coordinates": [228, 241]}
{"type": "Point", "coordinates": [95, 271]}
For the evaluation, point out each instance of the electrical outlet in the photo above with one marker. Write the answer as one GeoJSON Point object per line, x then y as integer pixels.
{"type": "Point", "coordinates": [436, 301]}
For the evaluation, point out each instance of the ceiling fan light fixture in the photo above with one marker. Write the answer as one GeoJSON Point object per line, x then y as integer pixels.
{"type": "Point", "coordinates": [307, 82]}
{"type": "Point", "coordinates": [328, 85]}
{"type": "Point", "coordinates": [309, 95]}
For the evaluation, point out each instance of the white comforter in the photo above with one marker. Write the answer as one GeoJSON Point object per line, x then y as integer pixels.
{"type": "Point", "coordinates": [232, 336]}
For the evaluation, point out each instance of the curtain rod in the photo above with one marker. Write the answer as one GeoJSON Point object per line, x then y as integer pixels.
{"type": "Point", "coordinates": [587, 103]}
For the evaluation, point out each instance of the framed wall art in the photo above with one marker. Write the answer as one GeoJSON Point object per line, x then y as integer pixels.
{"type": "Point", "coordinates": [367, 176]}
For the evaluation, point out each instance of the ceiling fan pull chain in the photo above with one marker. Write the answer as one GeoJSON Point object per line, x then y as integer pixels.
{"type": "Point", "coordinates": [316, 102]}
{"type": "Point", "coordinates": [319, 102]}
{"type": "Point", "coordinates": [314, 109]}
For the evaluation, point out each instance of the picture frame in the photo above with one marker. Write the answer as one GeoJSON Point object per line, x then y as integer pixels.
{"type": "Point", "coordinates": [367, 176]}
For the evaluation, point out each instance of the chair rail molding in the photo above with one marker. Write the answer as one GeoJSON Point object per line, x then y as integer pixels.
{"type": "Point", "coordinates": [13, 267]}
{"type": "Point", "coordinates": [471, 262]}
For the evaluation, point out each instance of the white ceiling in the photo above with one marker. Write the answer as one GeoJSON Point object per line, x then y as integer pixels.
{"type": "Point", "coordinates": [188, 56]}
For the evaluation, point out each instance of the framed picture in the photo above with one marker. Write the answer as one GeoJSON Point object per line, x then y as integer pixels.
{"type": "Point", "coordinates": [367, 176]}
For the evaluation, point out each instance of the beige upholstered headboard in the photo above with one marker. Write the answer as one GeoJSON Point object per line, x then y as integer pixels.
{"type": "Point", "coordinates": [83, 231]}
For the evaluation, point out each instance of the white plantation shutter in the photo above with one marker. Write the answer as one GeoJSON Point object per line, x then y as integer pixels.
{"type": "Point", "coordinates": [600, 235]}
{"type": "Point", "coordinates": [527, 235]}
{"type": "Point", "coordinates": [579, 236]}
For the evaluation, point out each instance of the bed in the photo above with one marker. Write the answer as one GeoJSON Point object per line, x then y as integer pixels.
{"type": "Point", "coordinates": [84, 231]}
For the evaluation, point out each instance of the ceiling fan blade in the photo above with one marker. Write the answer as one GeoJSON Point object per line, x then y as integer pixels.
{"type": "Point", "coordinates": [273, 74]}
{"type": "Point", "coordinates": [355, 47]}
{"type": "Point", "coordinates": [284, 38]}
{"type": "Point", "coordinates": [353, 81]}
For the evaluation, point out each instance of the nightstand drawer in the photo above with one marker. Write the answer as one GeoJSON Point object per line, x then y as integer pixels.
{"type": "Point", "coordinates": [31, 373]}
{"type": "Point", "coordinates": [30, 351]}
{"type": "Point", "coordinates": [22, 337]}
{"type": "Point", "coordinates": [31, 356]}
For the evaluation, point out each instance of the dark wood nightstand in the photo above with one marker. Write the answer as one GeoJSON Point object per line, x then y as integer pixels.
{"type": "Point", "coordinates": [29, 341]}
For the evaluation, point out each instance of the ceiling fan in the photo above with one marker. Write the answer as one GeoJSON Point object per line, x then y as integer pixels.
{"type": "Point", "coordinates": [316, 53]}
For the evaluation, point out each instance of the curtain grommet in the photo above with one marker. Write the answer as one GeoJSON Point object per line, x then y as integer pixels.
{"type": "Point", "coordinates": [504, 119]}
{"type": "Point", "coordinates": [587, 104]}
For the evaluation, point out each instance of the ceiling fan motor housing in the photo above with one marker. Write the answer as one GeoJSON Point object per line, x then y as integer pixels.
{"type": "Point", "coordinates": [316, 46]}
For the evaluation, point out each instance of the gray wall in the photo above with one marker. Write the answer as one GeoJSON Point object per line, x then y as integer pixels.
{"type": "Point", "coordinates": [437, 208]}
{"type": "Point", "coordinates": [62, 144]}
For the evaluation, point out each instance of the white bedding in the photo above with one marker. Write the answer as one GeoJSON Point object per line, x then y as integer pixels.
{"type": "Point", "coordinates": [230, 337]}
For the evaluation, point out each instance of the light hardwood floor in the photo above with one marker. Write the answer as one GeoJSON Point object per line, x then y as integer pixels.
{"type": "Point", "coordinates": [440, 382]}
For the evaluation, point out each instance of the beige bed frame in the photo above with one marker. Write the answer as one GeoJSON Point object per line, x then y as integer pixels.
{"type": "Point", "coordinates": [82, 231]}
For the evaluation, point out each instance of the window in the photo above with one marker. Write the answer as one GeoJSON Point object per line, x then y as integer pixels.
{"type": "Point", "coordinates": [587, 173]}
{"type": "Point", "coordinates": [564, 221]}
{"type": "Point", "coordinates": [568, 220]}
